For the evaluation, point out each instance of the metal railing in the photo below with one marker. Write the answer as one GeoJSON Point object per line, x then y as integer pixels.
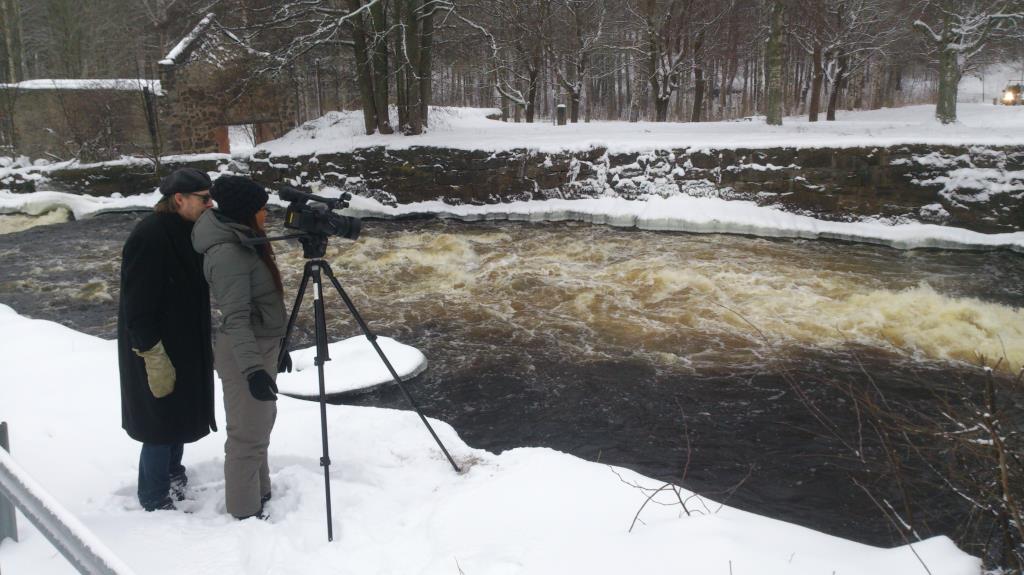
{"type": "Point", "coordinates": [72, 538]}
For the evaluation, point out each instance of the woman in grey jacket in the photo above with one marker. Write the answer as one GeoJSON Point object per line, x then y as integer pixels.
{"type": "Point", "coordinates": [246, 286]}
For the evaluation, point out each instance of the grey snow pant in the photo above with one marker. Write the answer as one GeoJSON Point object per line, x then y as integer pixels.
{"type": "Point", "coordinates": [249, 422]}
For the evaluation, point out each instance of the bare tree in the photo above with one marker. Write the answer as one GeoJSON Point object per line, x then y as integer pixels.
{"type": "Point", "coordinates": [957, 32]}
{"type": "Point", "coordinates": [10, 27]}
{"type": "Point", "coordinates": [582, 28]}
{"type": "Point", "coordinates": [774, 63]}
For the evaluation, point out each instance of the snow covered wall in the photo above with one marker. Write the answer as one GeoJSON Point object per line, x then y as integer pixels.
{"type": "Point", "coordinates": [893, 165]}
{"type": "Point", "coordinates": [974, 187]}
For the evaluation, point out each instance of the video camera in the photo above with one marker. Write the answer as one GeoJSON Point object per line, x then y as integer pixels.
{"type": "Point", "coordinates": [319, 219]}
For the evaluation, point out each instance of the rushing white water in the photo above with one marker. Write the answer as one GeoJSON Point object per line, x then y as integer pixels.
{"type": "Point", "coordinates": [11, 223]}
{"type": "Point", "coordinates": [677, 301]}
{"type": "Point", "coordinates": [691, 301]}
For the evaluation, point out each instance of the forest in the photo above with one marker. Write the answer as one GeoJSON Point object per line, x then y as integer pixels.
{"type": "Point", "coordinates": [652, 60]}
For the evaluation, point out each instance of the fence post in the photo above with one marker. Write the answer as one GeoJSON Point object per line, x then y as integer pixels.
{"type": "Point", "coordinates": [8, 522]}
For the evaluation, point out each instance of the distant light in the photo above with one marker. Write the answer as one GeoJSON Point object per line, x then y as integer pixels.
{"type": "Point", "coordinates": [1008, 96]}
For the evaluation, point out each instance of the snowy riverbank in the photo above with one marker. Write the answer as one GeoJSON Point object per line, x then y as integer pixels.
{"type": "Point", "coordinates": [398, 507]}
{"type": "Point", "coordinates": [675, 213]}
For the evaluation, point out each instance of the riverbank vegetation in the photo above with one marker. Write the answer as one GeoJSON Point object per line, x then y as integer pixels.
{"type": "Point", "coordinates": [956, 450]}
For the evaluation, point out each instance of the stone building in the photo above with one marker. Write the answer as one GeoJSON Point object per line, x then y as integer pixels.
{"type": "Point", "coordinates": [85, 119]}
{"type": "Point", "coordinates": [208, 84]}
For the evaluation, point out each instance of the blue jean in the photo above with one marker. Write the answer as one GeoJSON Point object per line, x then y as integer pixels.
{"type": "Point", "coordinates": [159, 467]}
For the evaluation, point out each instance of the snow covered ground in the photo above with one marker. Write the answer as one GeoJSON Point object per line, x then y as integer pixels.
{"type": "Point", "coordinates": [398, 507]}
{"type": "Point", "coordinates": [469, 128]}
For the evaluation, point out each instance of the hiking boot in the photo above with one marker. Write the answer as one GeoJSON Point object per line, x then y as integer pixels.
{"type": "Point", "coordinates": [179, 486]}
{"type": "Point", "coordinates": [165, 505]}
{"type": "Point", "coordinates": [261, 515]}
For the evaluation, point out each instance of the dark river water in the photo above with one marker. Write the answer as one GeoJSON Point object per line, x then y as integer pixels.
{"type": "Point", "coordinates": [655, 351]}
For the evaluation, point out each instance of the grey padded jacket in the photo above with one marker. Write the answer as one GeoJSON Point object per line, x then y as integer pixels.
{"type": "Point", "coordinates": [241, 285]}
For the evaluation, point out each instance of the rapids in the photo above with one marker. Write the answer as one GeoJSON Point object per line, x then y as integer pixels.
{"type": "Point", "coordinates": [658, 351]}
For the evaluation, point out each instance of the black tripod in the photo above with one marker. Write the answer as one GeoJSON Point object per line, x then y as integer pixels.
{"type": "Point", "coordinates": [314, 248]}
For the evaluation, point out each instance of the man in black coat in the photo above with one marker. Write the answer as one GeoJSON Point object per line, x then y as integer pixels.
{"type": "Point", "coordinates": [163, 337]}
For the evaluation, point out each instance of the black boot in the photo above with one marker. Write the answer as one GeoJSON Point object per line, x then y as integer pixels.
{"type": "Point", "coordinates": [261, 515]}
{"type": "Point", "coordinates": [165, 505]}
{"type": "Point", "coordinates": [179, 485]}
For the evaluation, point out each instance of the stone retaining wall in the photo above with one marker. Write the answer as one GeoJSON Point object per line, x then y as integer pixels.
{"type": "Point", "coordinates": [979, 188]}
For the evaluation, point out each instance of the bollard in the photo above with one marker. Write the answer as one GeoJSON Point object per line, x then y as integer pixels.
{"type": "Point", "coordinates": [8, 522]}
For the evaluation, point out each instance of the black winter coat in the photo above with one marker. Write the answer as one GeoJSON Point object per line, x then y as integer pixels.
{"type": "Point", "coordinates": [164, 297]}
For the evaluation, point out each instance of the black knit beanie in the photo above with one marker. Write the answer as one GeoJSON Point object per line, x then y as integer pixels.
{"type": "Point", "coordinates": [238, 197]}
{"type": "Point", "coordinates": [184, 181]}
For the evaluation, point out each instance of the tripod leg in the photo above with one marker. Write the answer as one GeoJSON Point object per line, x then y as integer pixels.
{"type": "Point", "coordinates": [321, 358]}
{"type": "Point", "coordinates": [306, 272]}
{"type": "Point", "coordinates": [372, 338]}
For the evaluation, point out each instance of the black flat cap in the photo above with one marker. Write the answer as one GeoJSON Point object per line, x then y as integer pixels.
{"type": "Point", "coordinates": [184, 181]}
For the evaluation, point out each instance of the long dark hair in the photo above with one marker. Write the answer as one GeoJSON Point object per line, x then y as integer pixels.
{"type": "Point", "coordinates": [266, 253]}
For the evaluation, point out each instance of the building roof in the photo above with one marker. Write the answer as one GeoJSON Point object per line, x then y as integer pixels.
{"type": "Point", "coordinates": [194, 39]}
{"type": "Point", "coordinates": [184, 46]}
{"type": "Point", "coordinates": [87, 84]}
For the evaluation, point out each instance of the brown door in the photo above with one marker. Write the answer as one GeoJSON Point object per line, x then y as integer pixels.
{"type": "Point", "coordinates": [220, 134]}
{"type": "Point", "coordinates": [264, 132]}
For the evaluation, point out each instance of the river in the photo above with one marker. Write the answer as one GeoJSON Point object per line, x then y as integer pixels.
{"type": "Point", "coordinates": [662, 352]}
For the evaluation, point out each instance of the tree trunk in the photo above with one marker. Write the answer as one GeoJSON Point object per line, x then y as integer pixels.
{"type": "Point", "coordinates": [531, 101]}
{"type": "Point", "coordinates": [426, 63]}
{"type": "Point", "coordinates": [363, 67]}
{"type": "Point", "coordinates": [661, 108]}
{"type": "Point", "coordinates": [698, 80]}
{"type": "Point", "coordinates": [628, 81]}
{"type": "Point", "coordinates": [819, 77]}
{"type": "Point", "coordinates": [858, 101]}
{"type": "Point", "coordinates": [698, 94]}
{"type": "Point", "coordinates": [837, 85]}
{"type": "Point", "coordinates": [773, 63]}
{"type": "Point", "coordinates": [744, 97]}
{"type": "Point", "coordinates": [66, 28]}
{"type": "Point", "coordinates": [378, 50]}
{"type": "Point", "coordinates": [503, 98]}
{"type": "Point", "coordinates": [10, 27]}
{"type": "Point", "coordinates": [949, 79]}
{"type": "Point", "coordinates": [410, 39]}
{"type": "Point", "coordinates": [401, 65]}
{"type": "Point", "coordinates": [638, 92]}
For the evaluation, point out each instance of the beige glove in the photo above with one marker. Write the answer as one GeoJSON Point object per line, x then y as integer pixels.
{"type": "Point", "coordinates": [159, 370]}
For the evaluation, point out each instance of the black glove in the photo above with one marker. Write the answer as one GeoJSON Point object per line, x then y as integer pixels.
{"type": "Point", "coordinates": [262, 386]}
{"type": "Point", "coordinates": [285, 364]}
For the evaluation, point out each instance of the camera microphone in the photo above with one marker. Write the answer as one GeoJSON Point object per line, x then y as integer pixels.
{"type": "Point", "coordinates": [290, 194]}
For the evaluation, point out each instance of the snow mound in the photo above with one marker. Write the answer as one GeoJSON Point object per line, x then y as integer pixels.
{"type": "Point", "coordinates": [354, 366]}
